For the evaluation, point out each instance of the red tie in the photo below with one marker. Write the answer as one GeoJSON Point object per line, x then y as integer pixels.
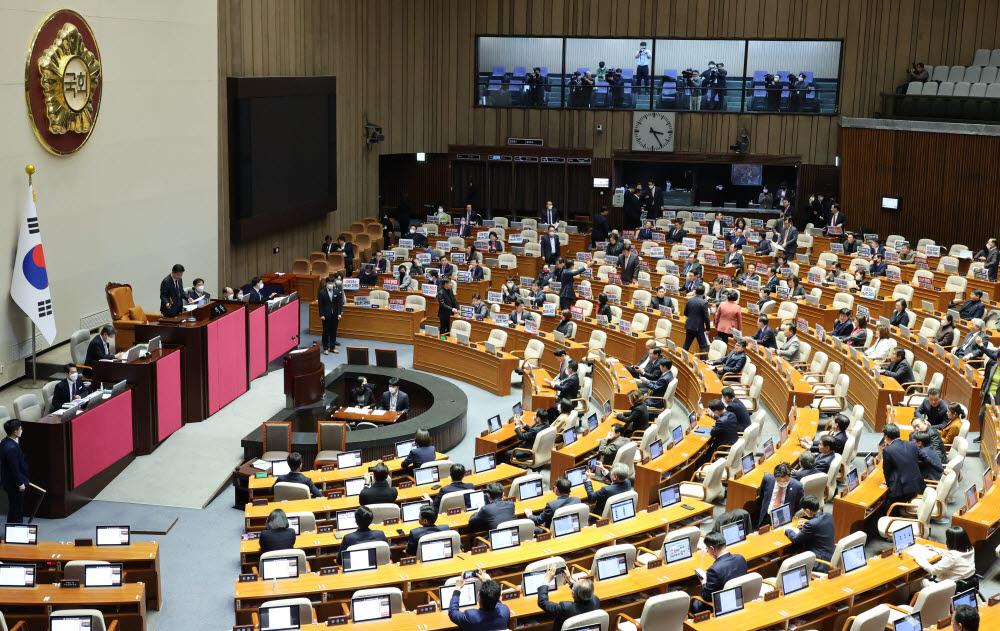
{"type": "Point", "coordinates": [779, 496]}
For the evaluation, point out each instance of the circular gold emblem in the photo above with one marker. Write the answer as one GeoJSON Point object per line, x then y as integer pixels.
{"type": "Point", "coordinates": [62, 81]}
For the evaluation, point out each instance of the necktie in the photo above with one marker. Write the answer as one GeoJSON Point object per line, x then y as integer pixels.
{"type": "Point", "coordinates": [779, 496]}
{"type": "Point", "coordinates": [72, 389]}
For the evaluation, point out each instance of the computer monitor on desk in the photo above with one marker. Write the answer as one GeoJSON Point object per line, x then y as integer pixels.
{"type": "Point", "coordinates": [280, 467]}
{"type": "Point", "coordinates": [854, 558]}
{"type": "Point", "coordinates": [113, 535]}
{"type": "Point", "coordinates": [20, 534]}
{"type": "Point", "coordinates": [426, 475]}
{"type": "Point", "coordinates": [467, 595]}
{"type": "Point", "coordinates": [279, 618]}
{"type": "Point", "coordinates": [358, 560]}
{"type": "Point", "coordinates": [727, 601]}
{"type": "Point", "coordinates": [794, 580]}
{"type": "Point", "coordinates": [119, 387]}
{"type": "Point", "coordinates": [102, 575]}
{"type": "Point", "coordinates": [17, 575]}
{"type": "Point", "coordinates": [474, 500]}
{"type": "Point", "coordinates": [83, 623]}
{"type": "Point", "coordinates": [909, 622]}
{"type": "Point", "coordinates": [279, 567]}
{"type": "Point", "coordinates": [348, 459]}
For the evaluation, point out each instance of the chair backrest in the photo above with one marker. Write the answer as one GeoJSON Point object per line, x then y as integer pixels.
{"type": "Point", "coordinates": [417, 303]}
{"type": "Point", "coordinates": [751, 582]}
{"type": "Point", "coordinates": [665, 611]}
{"type": "Point", "coordinates": [379, 297]}
{"type": "Point", "coordinates": [716, 350]}
{"type": "Point", "coordinates": [307, 521]}
{"type": "Point", "coordinates": [447, 535]}
{"type": "Point", "coordinates": [525, 528]}
{"type": "Point", "coordinates": [851, 540]}
{"type": "Point", "coordinates": [96, 617]}
{"type": "Point", "coordinates": [4, 414]}
{"type": "Point", "coordinates": [608, 551]}
{"type": "Point", "coordinates": [498, 338]}
{"type": "Point", "coordinates": [713, 479]}
{"type": "Point", "coordinates": [27, 408]}
{"type": "Point", "coordinates": [934, 601]}
{"type": "Point", "coordinates": [394, 593]}
{"type": "Point", "coordinates": [807, 559]}
{"type": "Point", "coordinates": [842, 300]}
{"type": "Point", "coordinates": [47, 391]}
{"type": "Point", "coordinates": [751, 436]}
{"type": "Point", "coordinates": [461, 326]}
{"type": "Point", "coordinates": [597, 617]}
{"type": "Point", "coordinates": [597, 341]}
{"type": "Point", "coordinates": [331, 435]}
{"type": "Point", "coordinates": [614, 499]}
{"type": "Point", "coordinates": [902, 291]}
{"type": "Point", "coordinates": [289, 491]}
{"type": "Point", "coordinates": [299, 554]}
{"type": "Point", "coordinates": [662, 330]}
{"type": "Point", "coordinates": [815, 484]}
{"type": "Point", "coordinates": [626, 456]}
{"type": "Point", "coordinates": [874, 619]}
{"type": "Point", "coordinates": [454, 499]}
{"type": "Point", "coordinates": [78, 343]}
{"type": "Point", "coordinates": [382, 512]}
{"type": "Point", "coordinates": [515, 485]}
{"type": "Point", "coordinates": [586, 305]}
{"type": "Point", "coordinates": [639, 322]}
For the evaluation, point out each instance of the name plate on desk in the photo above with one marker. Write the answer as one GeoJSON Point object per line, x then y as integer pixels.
{"type": "Point", "coordinates": [326, 571]}
{"type": "Point", "coordinates": [834, 573]}
{"type": "Point", "coordinates": [510, 596]}
{"type": "Point", "coordinates": [405, 485]}
{"type": "Point", "coordinates": [333, 621]}
{"type": "Point", "coordinates": [247, 578]}
{"type": "Point", "coordinates": [545, 536]}
{"type": "Point", "coordinates": [454, 511]}
{"type": "Point", "coordinates": [773, 595]}
{"type": "Point", "coordinates": [322, 529]}
{"type": "Point", "coordinates": [408, 561]}
{"type": "Point", "coordinates": [603, 522]}
{"type": "Point", "coordinates": [655, 563]}
{"type": "Point", "coordinates": [390, 521]}
{"type": "Point", "coordinates": [327, 467]}
{"type": "Point", "coordinates": [243, 627]}
{"type": "Point", "coordinates": [888, 552]}
{"type": "Point", "coordinates": [702, 617]}
{"type": "Point", "coordinates": [422, 609]}
{"type": "Point", "coordinates": [83, 542]}
{"type": "Point", "coordinates": [480, 549]}
{"type": "Point", "coordinates": [70, 584]}
{"type": "Point", "coordinates": [766, 528]}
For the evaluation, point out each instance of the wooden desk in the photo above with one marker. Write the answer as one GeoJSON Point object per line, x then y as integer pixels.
{"type": "Point", "coordinates": [676, 464]}
{"type": "Point", "coordinates": [984, 518]}
{"type": "Point", "coordinates": [518, 338]}
{"type": "Point", "coordinates": [742, 491]}
{"type": "Point", "coordinates": [140, 561]}
{"type": "Point", "coordinates": [567, 456]}
{"type": "Point", "coordinates": [372, 324]}
{"type": "Point", "coordinates": [156, 395]}
{"type": "Point", "coordinates": [612, 382]}
{"type": "Point", "coordinates": [504, 438]}
{"type": "Point", "coordinates": [824, 599]}
{"type": "Point", "coordinates": [471, 364]}
{"type": "Point", "coordinates": [326, 508]}
{"type": "Point", "coordinates": [535, 390]}
{"type": "Point", "coordinates": [385, 418]}
{"type": "Point", "coordinates": [74, 460]}
{"type": "Point", "coordinates": [126, 604]}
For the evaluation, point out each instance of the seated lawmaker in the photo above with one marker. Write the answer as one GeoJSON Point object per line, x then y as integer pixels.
{"type": "Point", "coordinates": [619, 484]}
{"type": "Point", "coordinates": [898, 368]}
{"type": "Point", "coordinates": [363, 395]}
{"type": "Point", "coordinates": [457, 472]}
{"type": "Point", "coordinates": [395, 400]}
{"type": "Point", "coordinates": [660, 301]}
{"type": "Point", "coordinates": [725, 567]}
{"type": "Point", "coordinates": [197, 291]}
{"type": "Point", "coordinates": [844, 326]}
{"type": "Point", "coordinates": [734, 361]}
{"type": "Point", "coordinates": [368, 275]}
{"type": "Point", "coordinates": [378, 488]}
{"type": "Point", "coordinates": [839, 435]}
{"type": "Point", "coordinates": [527, 434]}
{"type": "Point", "coordinates": [563, 498]}
{"type": "Point", "coordinates": [933, 437]}
{"type": "Point", "coordinates": [646, 232]}
{"type": "Point", "coordinates": [277, 534]}
{"type": "Point", "coordinates": [649, 361]}
{"type": "Point", "coordinates": [607, 447]}
{"type": "Point", "coordinates": [973, 307]}
{"type": "Point", "coordinates": [496, 510]}
{"type": "Point", "coordinates": [71, 388]}
{"type": "Point", "coordinates": [295, 475]}
{"type": "Point", "coordinates": [256, 290]}
{"type": "Point", "coordinates": [826, 453]}
{"type": "Point", "coordinates": [726, 430]}
{"type": "Point", "coordinates": [737, 408]}
{"type": "Point", "coordinates": [776, 489]}
{"type": "Point", "coordinates": [519, 317]}
{"type": "Point", "coordinates": [565, 325]}
{"type": "Point", "coordinates": [427, 520]}
{"type": "Point", "coordinates": [657, 388]}
{"type": "Point", "coordinates": [100, 347]}
{"type": "Point", "coordinates": [379, 262]}
{"type": "Point", "coordinates": [807, 466]}
{"type": "Point", "coordinates": [364, 534]}
{"type": "Point", "coordinates": [422, 453]}
{"type": "Point", "coordinates": [536, 295]}
{"type": "Point", "coordinates": [816, 534]}
{"type": "Point", "coordinates": [930, 464]}
{"type": "Point", "coordinates": [765, 334]}
{"type": "Point", "coordinates": [637, 418]}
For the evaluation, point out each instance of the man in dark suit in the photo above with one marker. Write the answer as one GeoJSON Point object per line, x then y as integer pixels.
{"type": "Point", "coordinates": [447, 306]}
{"type": "Point", "coordinates": [878, 266]}
{"type": "Point", "coordinates": [691, 282]}
{"type": "Point", "coordinates": [990, 256]}
{"type": "Point", "coordinates": [898, 368]}
{"type": "Point", "coordinates": [789, 239]}
{"type": "Point", "coordinates": [457, 474]}
{"type": "Point", "coordinates": [837, 218]}
{"type": "Point", "coordinates": [550, 215]}
{"type": "Point", "coordinates": [644, 369]}
{"type": "Point", "coordinates": [564, 275]}
{"type": "Point", "coordinates": [734, 258]}
{"type": "Point", "coordinates": [489, 615]}
{"type": "Point", "coordinates": [69, 389]}
{"type": "Point", "coordinates": [734, 361]}
{"type": "Point", "coordinates": [526, 434]}
{"type": "Point", "coordinates": [736, 408]}
{"type": "Point", "coordinates": [395, 400]}
{"type": "Point", "coordinates": [328, 245]}
{"type": "Point", "coordinates": [772, 282]}
{"type": "Point", "coordinates": [765, 334]}
{"type": "Point", "coordinates": [717, 226]}
{"type": "Point", "coordinates": [295, 475]}
{"type": "Point", "coordinates": [496, 510]}
{"type": "Point", "coordinates": [600, 230]}
{"type": "Point", "coordinates": [428, 517]}
{"type": "Point", "coordinates": [363, 518]}
{"type": "Point", "coordinates": [677, 233]}
{"type": "Point", "coordinates": [256, 289]}
{"type": "Point", "coordinates": [973, 307]}
{"type": "Point", "coordinates": [619, 484]}
{"type": "Point", "coordinates": [550, 246]}
{"type": "Point", "coordinates": [901, 460]}
{"type": "Point", "coordinates": [464, 228]}
{"type": "Point", "coordinates": [568, 387]}
{"type": "Point", "coordinates": [725, 567]}
{"type": "Point", "coordinates": [844, 326]}
{"type": "Point", "coordinates": [100, 347]}
{"type": "Point", "coordinates": [444, 268]}
{"type": "Point", "coordinates": [807, 466]}
{"type": "Point", "coordinates": [470, 216]}
{"type": "Point", "coordinates": [693, 265]}
{"type": "Point", "coordinates": [172, 296]}
{"type": "Point", "coordinates": [930, 467]}
{"type": "Point", "coordinates": [378, 489]}
{"type": "Point", "coordinates": [13, 470]}
{"type": "Point", "coordinates": [654, 196]}
{"type": "Point", "coordinates": [381, 265]}
{"type": "Point", "coordinates": [824, 459]}
{"type": "Point", "coordinates": [347, 249]}
{"type": "Point", "coordinates": [331, 305]}
{"type": "Point", "coordinates": [630, 265]}
{"type": "Point", "coordinates": [776, 489]}
{"type": "Point", "coordinates": [632, 210]}
{"type": "Point", "coordinates": [656, 388]}
{"type": "Point", "coordinates": [563, 498]}
{"type": "Point", "coordinates": [726, 430]}
{"type": "Point", "coordinates": [697, 321]}
{"type": "Point", "coordinates": [583, 601]}
{"type": "Point", "coordinates": [838, 433]}
{"type": "Point", "coordinates": [816, 534]}
{"type": "Point", "coordinates": [646, 232]}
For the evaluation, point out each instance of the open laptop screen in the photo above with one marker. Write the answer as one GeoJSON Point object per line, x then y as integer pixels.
{"type": "Point", "coordinates": [748, 463]}
{"type": "Point", "coordinates": [655, 449]}
{"type": "Point", "coordinates": [17, 575]}
{"type": "Point", "coordinates": [909, 622]}
{"type": "Point", "coordinates": [965, 598]}
{"type": "Point", "coordinates": [105, 575]}
{"type": "Point", "coordinates": [357, 560]}
{"type": "Point", "coordinates": [280, 467]}
{"type": "Point", "coordinates": [411, 511]}
{"type": "Point", "coordinates": [353, 486]}
{"type": "Point", "coordinates": [612, 566]}
{"type": "Point", "coordinates": [112, 535]}
{"type": "Point", "coordinates": [503, 538]}
{"type": "Point", "coordinates": [279, 618]}
{"type": "Point", "coordinates": [592, 422]}
{"type": "Point", "coordinates": [566, 524]}
{"type": "Point", "coordinates": [345, 520]}
{"type": "Point", "coordinates": [474, 500]}
{"type": "Point", "coordinates": [529, 490]}
{"type": "Point", "coordinates": [781, 515]}
{"type": "Point", "coordinates": [370, 608]}
{"type": "Point", "coordinates": [902, 538]}
{"type": "Point", "coordinates": [670, 495]}
{"type": "Point", "coordinates": [435, 550]}
{"type": "Point", "coordinates": [531, 581]}
{"type": "Point", "coordinates": [348, 459]}
{"type": "Point", "coordinates": [20, 534]}
{"type": "Point", "coordinates": [569, 437]}
{"type": "Point", "coordinates": [677, 435]}
{"type": "Point", "coordinates": [852, 479]}
{"type": "Point", "coordinates": [728, 600]}
{"type": "Point", "coordinates": [466, 596]}
{"type": "Point", "coordinates": [484, 463]}
{"type": "Point", "coordinates": [279, 567]}
{"type": "Point", "coordinates": [403, 448]}
{"type": "Point", "coordinates": [576, 476]}
{"type": "Point", "coordinates": [622, 510]}
{"type": "Point", "coordinates": [493, 423]}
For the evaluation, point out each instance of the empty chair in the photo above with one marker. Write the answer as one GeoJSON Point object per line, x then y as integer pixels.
{"type": "Point", "coordinates": [300, 559]}
{"type": "Point", "coordinates": [417, 303]}
{"type": "Point", "coordinates": [597, 620]}
{"type": "Point", "coordinates": [873, 619]}
{"type": "Point", "coordinates": [955, 74]}
{"type": "Point", "coordinates": [842, 301]}
{"type": "Point", "coordinates": [988, 75]}
{"type": "Point", "coordinates": [96, 619]}
{"type": "Point", "coordinates": [394, 593]}
{"type": "Point", "coordinates": [662, 611]}
{"type": "Point", "coordinates": [920, 516]}
{"type": "Point", "coordinates": [940, 74]}
{"type": "Point", "coordinates": [290, 491]}
{"type": "Point", "coordinates": [981, 58]}
{"type": "Point", "coordinates": [461, 327]}
{"type": "Point", "coordinates": [710, 485]}
{"type": "Point", "coordinates": [382, 512]}
{"type": "Point", "coordinates": [914, 87]}
{"type": "Point", "coordinates": [27, 408]}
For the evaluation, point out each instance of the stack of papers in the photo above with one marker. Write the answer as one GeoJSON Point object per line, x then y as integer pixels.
{"type": "Point", "coordinates": [263, 465]}
{"type": "Point", "coordinates": [923, 553]}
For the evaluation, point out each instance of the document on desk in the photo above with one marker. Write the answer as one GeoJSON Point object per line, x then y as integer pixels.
{"type": "Point", "coordinates": [377, 412]}
{"type": "Point", "coordinates": [922, 553]}
{"type": "Point", "coordinates": [263, 465]}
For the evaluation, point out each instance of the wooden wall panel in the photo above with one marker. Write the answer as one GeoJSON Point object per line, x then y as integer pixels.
{"type": "Point", "coordinates": [948, 184]}
{"type": "Point", "coordinates": [408, 65]}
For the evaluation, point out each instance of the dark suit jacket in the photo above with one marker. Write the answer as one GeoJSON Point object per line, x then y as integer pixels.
{"type": "Point", "coordinates": [381, 266]}
{"type": "Point", "coordinates": [793, 494]}
{"type": "Point", "coordinates": [364, 397]}
{"type": "Point", "coordinates": [564, 610]}
{"type": "Point", "coordinates": [741, 413]}
{"type": "Point", "coordinates": [936, 416]}
{"type": "Point", "coordinates": [519, 318]}
{"type": "Point", "coordinates": [477, 619]}
{"type": "Point", "coordinates": [972, 309]}
{"type": "Point", "coordinates": [567, 290]}
{"type": "Point", "coordinates": [568, 388]}
{"type": "Point", "coordinates": [765, 337]}
{"type": "Point", "coordinates": [327, 248]}
{"type": "Point", "coordinates": [816, 536]}
{"type": "Point", "coordinates": [550, 217]}
{"type": "Point", "coordinates": [420, 531]}
{"type": "Point", "coordinates": [477, 273]}
{"type": "Point", "coordinates": [645, 234]}
{"type": "Point", "coordinates": [96, 352]}
{"type": "Point", "coordinates": [600, 230]}
{"type": "Point", "coordinates": [696, 316]}
{"type": "Point", "coordinates": [378, 493]}
{"type": "Point", "coordinates": [448, 270]}
{"type": "Point", "coordinates": [630, 268]}
{"type": "Point", "coordinates": [843, 329]}
{"type": "Point", "coordinates": [402, 402]}
{"type": "Point", "coordinates": [900, 371]}
{"type": "Point", "coordinates": [791, 236]}
{"type": "Point", "coordinates": [451, 488]}
{"type": "Point", "coordinates": [255, 296]}
{"type": "Point", "coordinates": [725, 431]}
{"type": "Point", "coordinates": [545, 517]}
{"type": "Point", "coordinates": [171, 293]}
{"type": "Point", "coordinates": [877, 269]}
{"type": "Point", "coordinates": [446, 302]}
{"type": "Point", "coordinates": [693, 266]}
{"type": "Point", "coordinates": [419, 456]}
{"type": "Point", "coordinates": [13, 465]}
{"type": "Point", "coordinates": [492, 515]}
{"type": "Point", "coordinates": [281, 539]}
{"type": "Point", "coordinates": [823, 461]}
{"type": "Point", "coordinates": [600, 498]}
{"type": "Point", "coordinates": [930, 465]}
{"type": "Point", "coordinates": [528, 434]}
{"type": "Point", "coordinates": [328, 306]}
{"type": "Point", "coordinates": [804, 473]}
{"type": "Point", "coordinates": [733, 362]}
{"type": "Point", "coordinates": [61, 395]}
{"type": "Point", "coordinates": [356, 537]}
{"type": "Point", "coordinates": [658, 386]}
{"type": "Point", "coordinates": [676, 235]}
{"type": "Point", "coordinates": [726, 567]}
{"type": "Point", "coordinates": [548, 253]}
{"type": "Point", "coordinates": [298, 478]}
{"type": "Point", "coordinates": [637, 418]}
{"type": "Point", "coordinates": [901, 461]}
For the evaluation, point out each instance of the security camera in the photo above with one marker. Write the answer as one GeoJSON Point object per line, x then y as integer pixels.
{"type": "Point", "coordinates": [600, 128]}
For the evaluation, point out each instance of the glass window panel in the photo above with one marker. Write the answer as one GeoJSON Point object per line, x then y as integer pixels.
{"type": "Point", "coordinates": [679, 88]}
{"type": "Point", "coordinates": [505, 76]}
{"type": "Point", "coordinates": [812, 87]}
{"type": "Point", "coordinates": [628, 89]}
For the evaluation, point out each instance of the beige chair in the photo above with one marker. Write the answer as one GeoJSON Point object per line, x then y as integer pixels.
{"type": "Point", "coordinates": [48, 390]}
{"type": "Point", "coordinates": [290, 491]}
{"type": "Point", "coordinates": [598, 620]}
{"type": "Point", "coordinates": [394, 593]}
{"type": "Point", "coordinates": [902, 291]}
{"type": "Point", "coordinates": [933, 602]}
{"type": "Point", "coordinates": [608, 551]}
{"type": "Point", "coordinates": [874, 619]}
{"type": "Point", "coordinates": [4, 414]}
{"type": "Point", "coordinates": [379, 297]}
{"type": "Point", "coordinates": [918, 514]}
{"type": "Point", "coordinates": [498, 338]}
{"type": "Point", "coordinates": [806, 559]}
{"type": "Point", "coordinates": [27, 408]}
{"type": "Point", "coordinates": [752, 584]}
{"type": "Point", "coordinates": [708, 484]}
{"type": "Point", "coordinates": [842, 301]}
{"type": "Point", "coordinates": [642, 295]}
{"type": "Point", "coordinates": [381, 548]}
{"type": "Point", "coordinates": [515, 485]}
{"type": "Point", "coordinates": [639, 322]}
{"type": "Point", "coordinates": [815, 484]}
{"type": "Point", "coordinates": [460, 327]}
{"type": "Point", "coordinates": [662, 612]}
{"type": "Point", "coordinates": [417, 303]}
{"type": "Point", "coordinates": [507, 261]}
{"type": "Point", "coordinates": [96, 618]}
{"type": "Point", "coordinates": [597, 342]}
{"type": "Point", "coordinates": [587, 306]}
{"type": "Point", "coordinates": [300, 559]}
{"type": "Point", "coordinates": [525, 528]}
{"type": "Point", "coordinates": [621, 497]}
{"type": "Point", "coordinates": [382, 512]}
{"type": "Point", "coordinates": [447, 535]}
{"type": "Point", "coordinates": [662, 331]}
{"type": "Point", "coordinates": [541, 451]}
{"type": "Point", "coordinates": [851, 540]}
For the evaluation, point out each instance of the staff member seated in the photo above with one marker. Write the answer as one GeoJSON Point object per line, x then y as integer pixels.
{"type": "Point", "coordinates": [637, 418]}
{"type": "Point", "coordinates": [363, 518]}
{"type": "Point", "coordinates": [725, 567]}
{"type": "Point", "coordinates": [816, 534]}
{"type": "Point", "coordinates": [378, 489]}
{"type": "Point", "coordinates": [422, 453]}
{"type": "Point", "coordinates": [69, 389]}
{"type": "Point", "coordinates": [295, 474]}
{"type": "Point", "coordinates": [776, 489]}
{"type": "Point", "coordinates": [363, 395]}
{"type": "Point", "coordinates": [395, 400]}
{"type": "Point", "coordinates": [197, 291]}
{"type": "Point", "coordinates": [619, 484]}
{"type": "Point", "coordinates": [277, 534]}
{"type": "Point", "coordinates": [368, 276]}
{"type": "Point", "coordinates": [100, 347]}
{"type": "Point", "coordinates": [427, 519]}
{"type": "Point", "coordinates": [496, 510]}
{"type": "Point", "coordinates": [563, 498]}
{"type": "Point", "coordinates": [898, 368]}
{"type": "Point", "coordinates": [491, 615]}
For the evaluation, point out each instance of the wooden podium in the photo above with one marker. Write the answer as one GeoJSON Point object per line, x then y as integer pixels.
{"type": "Point", "coordinates": [303, 376]}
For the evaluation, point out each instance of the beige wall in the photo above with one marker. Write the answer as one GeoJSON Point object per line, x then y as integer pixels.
{"type": "Point", "coordinates": [142, 194]}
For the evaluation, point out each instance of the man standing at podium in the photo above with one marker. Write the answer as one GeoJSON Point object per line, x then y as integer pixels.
{"type": "Point", "coordinates": [172, 296]}
{"type": "Point", "coordinates": [331, 305]}
{"type": "Point", "coordinates": [13, 471]}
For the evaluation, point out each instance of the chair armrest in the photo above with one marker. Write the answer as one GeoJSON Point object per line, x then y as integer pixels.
{"type": "Point", "coordinates": [524, 462]}
{"type": "Point", "coordinates": [254, 619]}
{"type": "Point", "coordinates": [710, 606]}
{"type": "Point", "coordinates": [114, 624]}
{"type": "Point", "coordinates": [595, 516]}
{"type": "Point", "coordinates": [517, 353]}
{"type": "Point", "coordinates": [911, 508]}
{"type": "Point", "coordinates": [823, 387]}
{"type": "Point", "coordinates": [511, 586]}
{"type": "Point", "coordinates": [577, 567]}
{"type": "Point", "coordinates": [485, 542]}
{"type": "Point", "coordinates": [703, 487]}
{"type": "Point", "coordinates": [153, 317]}
{"type": "Point", "coordinates": [623, 616]}
{"type": "Point", "coordinates": [731, 375]}
{"type": "Point", "coordinates": [770, 581]}
{"type": "Point", "coordinates": [888, 526]}
{"type": "Point", "coordinates": [431, 596]}
{"type": "Point", "coordinates": [19, 625]}
{"type": "Point", "coordinates": [848, 622]}
{"type": "Point", "coordinates": [645, 549]}
{"type": "Point", "coordinates": [345, 608]}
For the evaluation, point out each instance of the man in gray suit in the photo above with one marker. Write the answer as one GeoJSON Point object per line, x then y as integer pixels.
{"type": "Point", "coordinates": [789, 349]}
{"type": "Point", "coordinates": [968, 348]}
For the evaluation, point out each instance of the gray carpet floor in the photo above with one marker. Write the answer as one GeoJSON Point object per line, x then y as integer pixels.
{"type": "Point", "coordinates": [200, 552]}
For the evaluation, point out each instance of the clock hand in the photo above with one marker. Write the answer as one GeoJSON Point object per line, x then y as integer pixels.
{"type": "Point", "coordinates": [655, 133]}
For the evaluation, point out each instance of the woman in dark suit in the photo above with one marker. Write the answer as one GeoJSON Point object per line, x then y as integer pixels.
{"type": "Point", "coordinates": [277, 534]}
{"type": "Point", "coordinates": [362, 396]}
{"type": "Point", "coordinates": [637, 419]}
{"type": "Point", "coordinates": [602, 306]}
{"type": "Point", "coordinates": [422, 453]}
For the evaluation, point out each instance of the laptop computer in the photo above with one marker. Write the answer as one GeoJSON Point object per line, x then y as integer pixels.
{"type": "Point", "coordinates": [613, 566]}
{"type": "Point", "coordinates": [781, 515]}
{"type": "Point", "coordinates": [103, 575]}
{"type": "Point", "coordinates": [348, 459]}
{"type": "Point", "coordinates": [566, 524]}
{"type": "Point", "coordinates": [280, 567]}
{"type": "Point", "coordinates": [433, 331]}
{"type": "Point", "coordinates": [967, 598]}
{"type": "Point", "coordinates": [670, 495]}
{"type": "Point", "coordinates": [903, 538]}
{"type": "Point", "coordinates": [411, 511]}
{"type": "Point", "coordinates": [576, 476]}
{"type": "Point", "coordinates": [280, 467]}
{"type": "Point", "coordinates": [353, 486]}
{"type": "Point", "coordinates": [503, 538]}
{"type": "Point", "coordinates": [529, 490]}
{"type": "Point", "coordinates": [404, 447]}
{"type": "Point", "coordinates": [425, 475]}
{"type": "Point", "coordinates": [727, 601]}
{"type": "Point", "coordinates": [112, 536]}
{"type": "Point", "coordinates": [21, 534]}
{"type": "Point", "coordinates": [474, 500]}
{"type": "Point", "coordinates": [437, 550]}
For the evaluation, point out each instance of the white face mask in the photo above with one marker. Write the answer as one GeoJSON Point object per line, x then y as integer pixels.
{"type": "Point", "coordinates": [510, 285]}
{"type": "Point", "coordinates": [393, 389]}
{"type": "Point", "coordinates": [340, 282]}
{"type": "Point", "coordinates": [440, 209]}
{"type": "Point", "coordinates": [330, 285]}
{"type": "Point", "coordinates": [200, 289]}
{"type": "Point", "coordinates": [229, 296]}
{"type": "Point", "coordinates": [74, 376]}
{"type": "Point", "coordinates": [413, 230]}
{"type": "Point", "coordinates": [782, 485]}
{"type": "Point", "coordinates": [260, 286]}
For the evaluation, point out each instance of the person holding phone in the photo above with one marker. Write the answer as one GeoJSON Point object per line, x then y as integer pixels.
{"type": "Point", "coordinates": [584, 599]}
{"type": "Point", "coordinates": [491, 615]}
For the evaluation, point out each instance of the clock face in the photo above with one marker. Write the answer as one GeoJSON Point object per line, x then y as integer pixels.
{"type": "Point", "coordinates": [653, 131]}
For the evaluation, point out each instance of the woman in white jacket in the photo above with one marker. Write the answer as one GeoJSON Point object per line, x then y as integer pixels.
{"type": "Point", "coordinates": [881, 346]}
{"type": "Point", "coordinates": [958, 562]}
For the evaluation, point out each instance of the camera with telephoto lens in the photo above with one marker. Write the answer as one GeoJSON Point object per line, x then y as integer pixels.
{"type": "Point", "coordinates": [687, 74]}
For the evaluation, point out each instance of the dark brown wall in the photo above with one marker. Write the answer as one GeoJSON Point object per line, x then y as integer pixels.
{"type": "Point", "coordinates": [948, 184]}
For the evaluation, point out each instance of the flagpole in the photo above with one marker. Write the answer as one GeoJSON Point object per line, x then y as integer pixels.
{"type": "Point", "coordinates": [30, 170]}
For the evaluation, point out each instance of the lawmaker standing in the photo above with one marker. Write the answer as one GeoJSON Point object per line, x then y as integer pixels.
{"type": "Point", "coordinates": [447, 306]}
{"type": "Point", "coordinates": [172, 296]}
{"type": "Point", "coordinates": [13, 471]}
{"type": "Point", "coordinates": [331, 305]}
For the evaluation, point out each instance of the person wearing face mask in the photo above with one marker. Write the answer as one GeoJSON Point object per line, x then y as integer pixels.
{"type": "Point", "coordinates": [765, 199]}
{"type": "Point", "coordinates": [395, 400]}
{"type": "Point", "coordinates": [331, 305]}
{"type": "Point", "coordinates": [419, 240]}
{"type": "Point", "coordinates": [776, 489]}
{"type": "Point", "coordinates": [544, 276]}
{"type": "Point", "coordinates": [197, 291]}
{"type": "Point", "coordinates": [511, 294]}
{"type": "Point", "coordinates": [368, 275]}
{"type": "Point", "coordinates": [256, 289]}
{"type": "Point", "coordinates": [550, 246]}
{"type": "Point", "coordinates": [470, 216]}
{"type": "Point", "coordinates": [799, 91]}
{"type": "Point", "coordinates": [464, 230]}
{"type": "Point", "coordinates": [229, 294]}
{"type": "Point", "coordinates": [328, 245]}
{"type": "Point", "coordinates": [550, 216]}
{"type": "Point", "coordinates": [447, 306]}
{"type": "Point", "coordinates": [100, 347]}
{"type": "Point", "coordinates": [362, 395]}
{"type": "Point", "coordinates": [13, 471]}
{"type": "Point", "coordinates": [381, 265]}
{"type": "Point", "coordinates": [945, 335]}
{"type": "Point", "coordinates": [442, 215]}
{"type": "Point", "coordinates": [72, 388]}
{"type": "Point", "coordinates": [347, 249]}
{"type": "Point", "coordinates": [405, 282]}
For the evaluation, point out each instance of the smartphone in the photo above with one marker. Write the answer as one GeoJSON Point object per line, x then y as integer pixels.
{"type": "Point", "coordinates": [467, 574]}
{"type": "Point", "coordinates": [593, 465]}
{"type": "Point", "coordinates": [435, 487]}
